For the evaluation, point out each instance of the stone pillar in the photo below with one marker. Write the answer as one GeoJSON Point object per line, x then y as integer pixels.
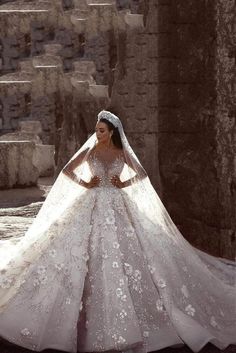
{"type": "Point", "coordinates": [196, 170]}
{"type": "Point", "coordinates": [226, 126]}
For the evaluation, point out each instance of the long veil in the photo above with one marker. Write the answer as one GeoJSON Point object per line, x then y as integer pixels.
{"type": "Point", "coordinates": [17, 254]}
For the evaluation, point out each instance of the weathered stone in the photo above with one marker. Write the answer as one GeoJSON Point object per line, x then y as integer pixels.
{"type": "Point", "coordinates": [31, 126]}
{"type": "Point", "coordinates": [17, 168]}
{"type": "Point", "coordinates": [20, 136]}
{"type": "Point", "coordinates": [43, 159]}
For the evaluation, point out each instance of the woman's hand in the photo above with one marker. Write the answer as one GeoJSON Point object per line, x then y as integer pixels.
{"type": "Point", "coordinates": [115, 180]}
{"type": "Point", "coordinates": [92, 183]}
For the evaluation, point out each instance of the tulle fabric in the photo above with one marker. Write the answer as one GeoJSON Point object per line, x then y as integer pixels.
{"type": "Point", "coordinates": [196, 291]}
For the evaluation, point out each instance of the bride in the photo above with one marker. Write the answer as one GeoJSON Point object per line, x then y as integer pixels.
{"type": "Point", "coordinates": [104, 268]}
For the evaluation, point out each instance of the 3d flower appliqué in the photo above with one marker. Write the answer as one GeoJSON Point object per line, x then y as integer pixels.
{"type": "Point", "coordinates": [159, 305]}
{"type": "Point", "coordinates": [128, 268]}
{"type": "Point", "coordinates": [161, 283]}
{"type": "Point", "coordinates": [123, 314]}
{"type": "Point", "coordinates": [115, 264]}
{"type": "Point", "coordinates": [145, 334]}
{"type": "Point", "coordinates": [184, 290]}
{"type": "Point", "coordinates": [137, 274]}
{"type": "Point", "coordinates": [116, 245]}
{"type": "Point", "coordinates": [190, 310]}
{"type": "Point", "coordinates": [152, 269]}
{"type": "Point", "coordinates": [25, 332]}
{"type": "Point", "coordinates": [5, 282]}
{"type": "Point", "coordinates": [68, 301]}
{"type": "Point", "coordinates": [213, 322]}
{"type": "Point", "coordinates": [119, 292]}
{"type": "Point", "coordinates": [110, 219]}
{"type": "Point", "coordinates": [59, 267]}
{"type": "Point", "coordinates": [41, 269]}
{"type": "Point", "coordinates": [121, 340]}
{"type": "Point", "coordinates": [52, 252]}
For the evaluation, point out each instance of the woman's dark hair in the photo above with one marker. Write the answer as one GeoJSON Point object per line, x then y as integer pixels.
{"type": "Point", "coordinates": [116, 135]}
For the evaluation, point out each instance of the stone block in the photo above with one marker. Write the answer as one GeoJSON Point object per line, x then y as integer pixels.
{"type": "Point", "coordinates": [99, 91]}
{"type": "Point", "coordinates": [31, 126]}
{"type": "Point", "coordinates": [20, 136]}
{"type": "Point", "coordinates": [152, 46]}
{"type": "Point", "coordinates": [164, 44]}
{"type": "Point", "coordinates": [192, 11]}
{"type": "Point", "coordinates": [52, 48]}
{"type": "Point", "coordinates": [134, 20]}
{"type": "Point", "coordinates": [88, 67]}
{"type": "Point", "coordinates": [152, 23]}
{"type": "Point", "coordinates": [17, 167]}
{"type": "Point", "coordinates": [43, 159]}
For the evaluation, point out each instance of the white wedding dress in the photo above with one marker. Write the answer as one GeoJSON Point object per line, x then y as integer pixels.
{"type": "Point", "coordinates": [110, 279]}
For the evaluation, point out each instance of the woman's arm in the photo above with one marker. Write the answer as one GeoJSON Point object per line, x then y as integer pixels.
{"type": "Point", "coordinates": [68, 170]}
{"type": "Point", "coordinates": [137, 168]}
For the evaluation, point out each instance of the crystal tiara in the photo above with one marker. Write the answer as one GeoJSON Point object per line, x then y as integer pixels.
{"type": "Point", "coordinates": [112, 118]}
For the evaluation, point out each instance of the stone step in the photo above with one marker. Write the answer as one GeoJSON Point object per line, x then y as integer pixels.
{"type": "Point", "coordinates": [19, 8]}
{"type": "Point", "coordinates": [134, 20]}
{"type": "Point", "coordinates": [81, 87]}
{"type": "Point", "coordinates": [17, 82]}
{"type": "Point", "coordinates": [52, 48]}
{"type": "Point", "coordinates": [81, 13]}
{"type": "Point", "coordinates": [80, 4]}
{"type": "Point", "coordinates": [101, 2]}
{"type": "Point", "coordinates": [80, 23]}
{"type": "Point", "coordinates": [85, 66]}
{"type": "Point", "coordinates": [26, 65]}
{"type": "Point", "coordinates": [20, 136]}
{"type": "Point", "coordinates": [31, 126]}
{"type": "Point", "coordinates": [47, 61]}
{"type": "Point", "coordinates": [81, 77]}
{"type": "Point", "coordinates": [99, 91]}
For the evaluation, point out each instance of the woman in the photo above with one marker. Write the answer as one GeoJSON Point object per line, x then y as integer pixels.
{"type": "Point", "coordinates": [104, 268]}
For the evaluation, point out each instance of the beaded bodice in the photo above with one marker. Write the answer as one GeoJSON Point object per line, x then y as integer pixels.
{"type": "Point", "coordinates": [105, 169]}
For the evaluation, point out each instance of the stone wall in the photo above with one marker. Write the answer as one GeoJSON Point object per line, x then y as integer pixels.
{"type": "Point", "coordinates": [225, 113]}
{"type": "Point", "coordinates": [196, 120]}
{"type": "Point", "coordinates": [186, 119]}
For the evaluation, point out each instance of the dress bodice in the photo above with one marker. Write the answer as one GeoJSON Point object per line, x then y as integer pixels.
{"type": "Point", "coordinates": [105, 169]}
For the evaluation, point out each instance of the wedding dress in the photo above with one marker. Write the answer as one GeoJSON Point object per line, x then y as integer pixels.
{"type": "Point", "coordinates": [100, 270]}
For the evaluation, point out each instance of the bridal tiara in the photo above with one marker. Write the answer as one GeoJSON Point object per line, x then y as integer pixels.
{"type": "Point", "coordinates": [112, 118]}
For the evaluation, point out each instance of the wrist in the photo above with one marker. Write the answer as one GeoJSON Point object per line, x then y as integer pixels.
{"type": "Point", "coordinates": [82, 183]}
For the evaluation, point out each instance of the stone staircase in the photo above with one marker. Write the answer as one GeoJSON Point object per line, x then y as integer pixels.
{"type": "Point", "coordinates": [49, 47]}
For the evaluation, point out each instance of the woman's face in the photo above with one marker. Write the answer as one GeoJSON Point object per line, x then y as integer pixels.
{"type": "Point", "coordinates": [102, 132]}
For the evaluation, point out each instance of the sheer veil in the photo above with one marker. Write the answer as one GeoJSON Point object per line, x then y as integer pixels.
{"type": "Point", "coordinates": [17, 253]}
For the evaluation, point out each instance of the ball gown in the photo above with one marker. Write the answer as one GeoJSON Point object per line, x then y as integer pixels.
{"type": "Point", "coordinates": [110, 279]}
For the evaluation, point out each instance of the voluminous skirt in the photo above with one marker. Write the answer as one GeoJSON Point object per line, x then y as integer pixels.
{"type": "Point", "coordinates": [110, 279]}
